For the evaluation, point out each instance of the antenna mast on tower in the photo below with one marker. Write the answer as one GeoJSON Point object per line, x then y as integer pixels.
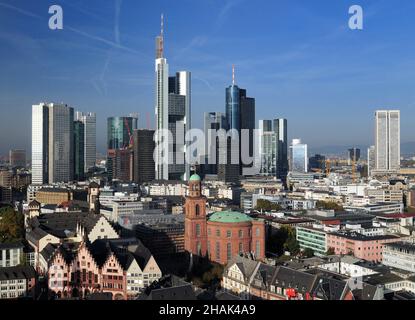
{"type": "Point", "coordinates": [233, 74]}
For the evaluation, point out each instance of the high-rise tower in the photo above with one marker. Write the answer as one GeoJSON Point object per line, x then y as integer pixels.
{"type": "Point", "coordinates": [388, 140]}
{"type": "Point", "coordinates": [173, 117]}
{"type": "Point", "coordinates": [89, 121]}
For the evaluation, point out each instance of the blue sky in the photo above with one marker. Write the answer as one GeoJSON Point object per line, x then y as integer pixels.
{"type": "Point", "coordinates": [298, 58]}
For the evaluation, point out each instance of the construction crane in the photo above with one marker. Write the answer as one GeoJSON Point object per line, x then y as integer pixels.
{"type": "Point", "coordinates": [328, 168]}
{"type": "Point", "coordinates": [354, 178]}
{"type": "Point", "coordinates": [130, 135]}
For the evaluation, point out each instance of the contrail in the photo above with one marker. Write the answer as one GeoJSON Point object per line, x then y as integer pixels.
{"type": "Point", "coordinates": [24, 12]}
{"type": "Point", "coordinates": [118, 4]}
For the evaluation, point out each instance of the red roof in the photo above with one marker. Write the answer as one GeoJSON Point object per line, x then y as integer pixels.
{"type": "Point", "coordinates": [399, 215]}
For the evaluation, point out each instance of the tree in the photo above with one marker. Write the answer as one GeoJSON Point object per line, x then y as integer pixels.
{"type": "Point", "coordinates": [327, 205]}
{"type": "Point", "coordinates": [308, 253]}
{"type": "Point", "coordinates": [291, 244]}
{"type": "Point", "coordinates": [11, 225]}
{"type": "Point", "coordinates": [330, 252]}
{"type": "Point", "coordinates": [267, 205]}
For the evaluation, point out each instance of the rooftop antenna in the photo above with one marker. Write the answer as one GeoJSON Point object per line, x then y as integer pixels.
{"type": "Point", "coordinates": [233, 74]}
{"type": "Point", "coordinates": [162, 34]}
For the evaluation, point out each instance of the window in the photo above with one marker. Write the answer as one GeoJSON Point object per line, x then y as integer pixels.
{"type": "Point", "coordinates": [229, 234]}
{"type": "Point", "coordinates": [199, 248]}
{"type": "Point", "coordinates": [197, 230]}
{"type": "Point", "coordinates": [241, 234]}
{"type": "Point", "coordinates": [258, 248]}
{"type": "Point", "coordinates": [217, 251]}
{"type": "Point", "coordinates": [208, 248]}
{"type": "Point", "coordinates": [217, 232]}
{"type": "Point", "coordinates": [209, 232]}
{"type": "Point", "coordinates": [258, 232]}
{"type": "Point", "coordinates": [229, 251]}
{"type": "Point", "coordinates": [197, 210]}
{"type": "Point", "coordinates": [241, 248]}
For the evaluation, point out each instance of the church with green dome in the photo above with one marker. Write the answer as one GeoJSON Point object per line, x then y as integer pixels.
{"type": "Point", "coordinates": [222, 235]}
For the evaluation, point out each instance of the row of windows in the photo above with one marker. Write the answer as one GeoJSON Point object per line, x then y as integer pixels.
{"type": "Point", "coordinates": [229, 249]}
{"type": "Point", "coordinates": [112, 285]}
{"type": "Point", "coordinates": [11, 281]}
{"type": "Point", "coordinates": [228, 232]}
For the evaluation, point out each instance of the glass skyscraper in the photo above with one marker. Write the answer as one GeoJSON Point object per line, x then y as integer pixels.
{"type": "Point", "coordinates": [281, 129]}
{"type": "Point", "coordinates": [90, 145]}
{"type": "Point", "coordinates": [52, 143]}
{"type": "Point", "coordinates": [273, 148]}
{"type": "Point", "coordinates": [79, 149]}
{"type": "Point", "coordinates": [299, 157]}
{"type": "Point", "coordinates": [120, 132]}
{"type": "Point", "coordinates": [173, 113]}
{"type": "Point", "coordinates": [233, 107]}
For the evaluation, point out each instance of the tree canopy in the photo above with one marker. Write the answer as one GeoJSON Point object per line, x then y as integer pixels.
{"type": "Point", "coordinates": [284, 239]}
{"type": "Point", "coordinates": [11, 225]}
{"type": "Point", "coordinates": [267, 205]}
{"type": "Point", "coordinates": [327, 205]}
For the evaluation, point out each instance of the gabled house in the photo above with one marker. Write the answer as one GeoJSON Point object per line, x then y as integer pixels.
{"type": "Point", "coordinates": [238, 275]}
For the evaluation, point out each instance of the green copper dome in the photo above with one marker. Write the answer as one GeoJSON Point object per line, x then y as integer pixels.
{"type": "Point", "coordinates": [229, 217]}
{"type": "Point", "coordinates": [195, 177]}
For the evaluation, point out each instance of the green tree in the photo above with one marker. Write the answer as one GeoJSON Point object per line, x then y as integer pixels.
{"type": "Point", "coordinates": [330, 252]}
{"type": "Point", "coordinates": [327, 205]}
{"type": "Point", "coordinates": [11, 225]}
{"type": "Point", "coordinates": [267, 205]}
{"type": "Point", "coordinates": [308, 253]}
{"type": "Point", "coordinates": [291, 244]}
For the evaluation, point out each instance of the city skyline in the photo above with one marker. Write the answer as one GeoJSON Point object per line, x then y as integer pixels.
{"type": "Point", "coordinates": [122, 81]}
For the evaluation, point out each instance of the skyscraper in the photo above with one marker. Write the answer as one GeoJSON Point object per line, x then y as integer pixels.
{"type": "Point", "coordinates": [79, 150]}
{"type": "Point", "coordinates": [247, 109]}
{"type": "Point", "coordinates": [299, 157]}
{"type": "Point", "coordinates": [120, 131]}
{"type": "Point", "coordinates": [267, 148]}
{"type": "Point", "coordinates": [90, 145]}
{"type": "Point", "coordinates": [273, 148]}
{"type": "Point", "coordinates": [52, 143]}
{"type": "Point", "coordinates": [371, 160]}
{"type": "Point", "coordinates": [173, 110]}
{"type": "Point", "coordinates": [61, 155]}
{"type": "Point", "coordinates": [388, 140]}
{"type": "Point", "coordinates": [17, 158]}
{"type": "Point", "coordinates": [354, 155]}
{"type": "Point", "coordinates": [179, 124]}
{"type": "Point", "coordinates": [120, 147]}
{"type": "Point", "coordinates": [213, 121]}
{"type": "Point", "coordinates": [240, 115]}
{"type": "Point", "coordinates": [281, 128]}
{"type": "Point", "coordinates": [40, 144]}
{"type": "Point", "coordinates": [144, 166]}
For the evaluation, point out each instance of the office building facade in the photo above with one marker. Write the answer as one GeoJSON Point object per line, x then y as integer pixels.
{"type": "Point", "coordinates": [89, 121]}
{"type": "Point", "coordinates": [17, 158]}
{"type": "Point", "coordinates": [52, 143]}
{"type": "Point", "coordinates": [173, 114]}
{"type": "Point", "coordinates": [213, 121]}
{"type": "Point", "coordinates": [79, 150]}
{"type": "Point", "coordinates": [299, 157]}
{"type": "Point", "coordinates": [120, 131]}
{"type": "Point", "coordinates": [144, 165]}
{"type": "Point", "coordinates": [388, 141]}
{"type": "Point", "coordinates": [273, 148]}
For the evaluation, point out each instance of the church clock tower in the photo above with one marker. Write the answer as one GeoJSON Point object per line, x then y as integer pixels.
{"type": "Point", "coordinates": [195, 238]}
